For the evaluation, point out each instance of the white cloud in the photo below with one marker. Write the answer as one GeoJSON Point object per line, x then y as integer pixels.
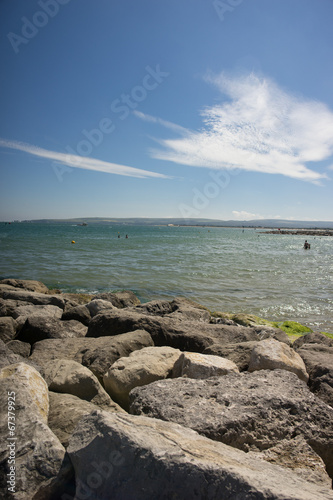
{"type": "Point", "coordinates": [76, 161]}
{"type": "Point", "coordinates": [261, 128]}
{"type": "Point", "coordinates": [243, 215]}
{"type": "Point", "coordinates": [165, 123]}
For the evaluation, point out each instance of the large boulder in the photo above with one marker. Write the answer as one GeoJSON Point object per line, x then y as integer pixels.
{"type": "Point", "coordinates": [188, 310]}
{"type": "Point", "coordinates": [100, 355]}
{"type": "Point", "coordinates": [29, 285]}
{"type": "Point", "coordinates": [249, 411]}
{"type": "Point", "coordinates": [8, 307]}
{"type": "Point", "coordinates": [239, 353]}
{"type": "Point", "coordinates": [179, 308]}
{"type": "Point", "coordinates": [313, 338]}
{"type": "Point", "coordinates": [40, 299]}
{"type": "Point", "coordinates": [318, 359]}
{"type": "Point", "coordinates": [65, 412]}
{"type": "Point", "coordinates": [8, 357]}
{"type": "Point", "coordinates": [137, 458]}
{"type": "Point", "coordinates": [98, 305]}
{"type": "Point", "coordinates": [29, 379]}
{"type": "Point", "coordinates": [196, 365]}
{"type": "Point", "coordinates": [22, 313]}
{"type": "Point", "coordinates": [79, 313]}
{"type": "Point", "coordinates": [7, 328]}
{"type": "Point", "coordinates": [21, 348]}
{"type": "Point", "coordinates": [140, 368]}
{"type": "Point", "coordinates": [40, 468]}
{"type": "Point", "coordinates": [185, 335]}
{"type": "Point", "coordinates": [155, 308]}
{"type": "Point", "coordinates": [120, 300]}
{"type": "Point", "coordinates": [68, 376]}
{"type": "Point", "coordinates": [271, 354]}
{"type": "Point", "coordinates": [37, 328]}
{"type": "Point", "coordinates": [96, 354]}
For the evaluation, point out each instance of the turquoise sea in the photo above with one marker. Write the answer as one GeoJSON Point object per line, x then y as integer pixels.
{"type": "Point", "coordinates": [226, 269]}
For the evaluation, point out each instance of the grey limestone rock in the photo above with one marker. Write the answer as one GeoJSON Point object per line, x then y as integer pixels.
{"type": "Point", "coordinates": [312, 338]}
{"type": "Point", "coordinates": [318, 359]}
{"type": "Point", "coordinates": [65, 412]}
{"type": "Point", "coordinates": [141, 367]}
{"type": "Point", "coordinates": [29, 285]}
{"type": "Point", "coordinates": [21, 348]}
{"type": "Point", "coordinates": [196, 365]}
{"type": "Point", "coordinates": [120, 300]}
{"type": "Point", "coordinates": [36, 329]}
{"type": "Point", "coordinates": [185, 335]}
{"type": "Point", "coordinates": [98, 305]}
{"type": "Point", "coordinates": [79, 313]}
{"type": "Point", "coordinates": [41, 468]}
{"type": "Point", "coordinates": [271, 354]}
{"type": "Point", "coordinates": [100, 355]}
{"type": "Point", "coordinates": [249, 411]}
{"type": "Point", "coordinates": [239, 353]}
{"type": "Point", "coordinates": [41, 299]}
{"type": "Point", "coordinates": [7, 328]}
{"type": "Point", "coordinates": [68, 376]}
{"type": "Point", "coordinates": [137, 458]}
{"type": "Point", "coordinates": [96, 354]}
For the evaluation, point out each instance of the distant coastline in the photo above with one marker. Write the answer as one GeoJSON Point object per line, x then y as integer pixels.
{"type": "Point", "coordinates": [283, 224]}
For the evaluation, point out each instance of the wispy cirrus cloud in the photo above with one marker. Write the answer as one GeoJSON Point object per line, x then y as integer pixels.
{"type": "Point", "coordinates": [260, 128]}
{"type": "Point", "coordinates": [76, 161]}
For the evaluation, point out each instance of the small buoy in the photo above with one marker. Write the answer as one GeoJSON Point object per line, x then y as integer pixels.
{"type": "Point", "coordinates": [73, 241]}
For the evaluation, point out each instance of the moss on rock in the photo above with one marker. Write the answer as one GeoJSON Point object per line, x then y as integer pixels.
{"type": "Point", "coordinates": [292, 327]}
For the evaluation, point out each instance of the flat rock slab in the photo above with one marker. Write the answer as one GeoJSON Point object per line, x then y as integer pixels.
{"type": "Point", "coordinates": [138, 458]}
{"type": "Point", "coordinates": [249, 411]}
{"type": "Point", "coordinates": [35, 298]}
{"type": "Point", "coordinates": [29, 285]}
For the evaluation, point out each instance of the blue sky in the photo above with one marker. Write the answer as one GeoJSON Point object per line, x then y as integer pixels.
{"type": "Point", "coordinates": [213, 109]}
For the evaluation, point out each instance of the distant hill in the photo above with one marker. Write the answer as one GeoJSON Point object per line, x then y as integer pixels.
{"type": "Point", "coordinates": [268, 223]}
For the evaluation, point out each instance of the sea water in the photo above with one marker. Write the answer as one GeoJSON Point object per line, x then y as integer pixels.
{"type": "Point", "coordinates": [225, 269]}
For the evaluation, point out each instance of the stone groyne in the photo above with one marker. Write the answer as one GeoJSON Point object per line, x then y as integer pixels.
{"type": "Point", "coordinates": [107, 398]}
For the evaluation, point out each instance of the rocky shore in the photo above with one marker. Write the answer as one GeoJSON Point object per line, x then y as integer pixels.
{"type": "Point", "coordinates": [107, 398]}
{"type": "Point", "coordinates": [302, 232]}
